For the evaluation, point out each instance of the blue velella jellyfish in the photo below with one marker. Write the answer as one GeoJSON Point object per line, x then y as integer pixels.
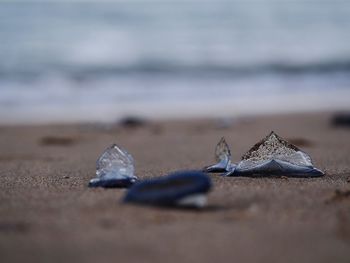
{"type": "Point", "coordinates": [180, 189]}
{"type": "Point", "coordinates": [272, 156]}
{"type": "Point", "coordinates": [114, 168]}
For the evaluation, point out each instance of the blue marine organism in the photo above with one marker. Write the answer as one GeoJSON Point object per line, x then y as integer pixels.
{"type": "Point", "coordinates": [179, 189]}
{"type": "Point", "coordinates": [114, 168]}
{"type": "Point", "coordinates": [273, 156]}
{"type": "Point", "coordinates": [222, 157]}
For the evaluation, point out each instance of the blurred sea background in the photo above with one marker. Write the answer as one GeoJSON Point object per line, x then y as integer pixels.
{"type": "Point", "coordinates": [99, 61]}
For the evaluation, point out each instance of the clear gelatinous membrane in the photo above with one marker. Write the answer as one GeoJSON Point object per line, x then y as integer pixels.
{"type": "Point", "coordinates": [115, 162]}
{"type": "Point", "coordinates": [222, 157]}
{"type": "Point", "coordinates": [114, 168]}
{"type": "Point", "coordinates": [271, 156]}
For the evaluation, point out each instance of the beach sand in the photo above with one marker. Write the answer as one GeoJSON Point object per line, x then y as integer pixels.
{"type": "Point", "coordinates": [47, 213]}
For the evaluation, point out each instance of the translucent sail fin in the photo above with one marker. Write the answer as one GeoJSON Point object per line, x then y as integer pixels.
{"type": "Point", "coordinates": [115, 161]}
{"type": "Point", "coordinates": [222, 151]}
{"type": "Point", "coordinates": [222, 157]}
{"type": "Point", "coordinates": [114, 168]}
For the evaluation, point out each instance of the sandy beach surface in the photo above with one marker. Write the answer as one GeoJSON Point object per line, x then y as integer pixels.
{"type": "Point", "coordinates": [47, 213]}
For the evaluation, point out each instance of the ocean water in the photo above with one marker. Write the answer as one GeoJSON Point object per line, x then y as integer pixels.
{"type": "Point", "coordinates": [99, 61]}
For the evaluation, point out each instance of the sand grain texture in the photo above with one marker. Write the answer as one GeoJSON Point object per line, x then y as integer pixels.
{"type": "Point", "coordinates": [47, 213]}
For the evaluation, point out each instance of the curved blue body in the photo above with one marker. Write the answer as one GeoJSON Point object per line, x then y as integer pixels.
{"type": "Point", "coordinates": [112, 182]}
{"type": "Point", "coordinates": [168, 190]}
{"type": "Point", "coordinates": [277, 168]}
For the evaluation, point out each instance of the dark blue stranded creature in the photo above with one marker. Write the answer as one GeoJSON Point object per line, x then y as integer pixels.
{"type": "Point", "coordinates": [272, 156]}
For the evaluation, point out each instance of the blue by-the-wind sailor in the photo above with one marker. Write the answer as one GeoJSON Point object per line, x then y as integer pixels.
{"type": "Point", "coordinates": [114, 168]}
{"type": "Point", "coordinates": [180, 189]}
{"type": "Point", "coordinates": [222, 157]}
{"type": "Point", "coordinates": [273, 156]}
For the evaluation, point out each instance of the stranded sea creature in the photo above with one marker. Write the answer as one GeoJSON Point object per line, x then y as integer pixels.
{"type": "Point", "coordinates": [272, 156]}
{"type": "Point", "coordinates": [181, 189]}
{"type": "Point", "coordinates": [114, 168]}
{"type": "Point", "coordinates": [222, 157]}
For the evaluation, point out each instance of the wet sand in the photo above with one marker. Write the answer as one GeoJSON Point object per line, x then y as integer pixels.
{"type": "Point", "coordinates": [47, 213]}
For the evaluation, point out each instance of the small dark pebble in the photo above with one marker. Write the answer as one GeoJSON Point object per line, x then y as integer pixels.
{"type": "Point", "coordinates": [18, 227]}
{"type": "Point", "coordinates": [66, 177]}
{"type": "Point", "coordinates": [340, 195]}
{"type": "Point", "coordinates": [60, 141]}
{"type": "Point", "coordinates": [132, 122]}
{"type": "Point", "coordinates": [341, 119]}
